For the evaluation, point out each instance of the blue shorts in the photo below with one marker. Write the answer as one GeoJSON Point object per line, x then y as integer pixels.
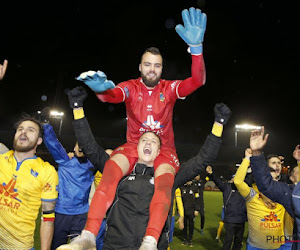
{"type": "Point", "coordinates": [100, 236]}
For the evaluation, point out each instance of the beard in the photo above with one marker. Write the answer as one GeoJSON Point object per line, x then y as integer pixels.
{"type": "Point", "coordinates": [27, 148]}
{"type": "Point", "coordinates": [150, 83]}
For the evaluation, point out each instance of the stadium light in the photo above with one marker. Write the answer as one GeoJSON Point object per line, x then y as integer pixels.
{"type": "Point", "coordinates": [57, 115]}
{"type": "Point", "coordinates": [244, 128]}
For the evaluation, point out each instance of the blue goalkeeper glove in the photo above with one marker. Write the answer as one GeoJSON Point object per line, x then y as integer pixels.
{"type": "Point", "coordinates": [97, 81]}
{"type": "Point", "coordinates": [193, 30]}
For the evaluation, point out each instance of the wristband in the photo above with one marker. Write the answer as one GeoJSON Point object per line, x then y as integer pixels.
{"type": "Point", "coordinates": [195, 49]}
{"type": "Point", "coordinates": [78, 113]}
{"type": "Point", "coordinates": [217, 129]}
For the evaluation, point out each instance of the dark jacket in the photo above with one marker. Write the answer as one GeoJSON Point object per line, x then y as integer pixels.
{"type": "Point", "coordinates": [199, 184]}
{"type": "Point", "coordinates": [119, 233]}
{"type": "Point", "coordinates": [234, 204]}
{"type": "Point", "coordinates": [188, 196]}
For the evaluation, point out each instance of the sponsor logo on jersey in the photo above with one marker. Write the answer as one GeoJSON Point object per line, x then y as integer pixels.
{"type": "Point", "coordinates": [47, 187]}
{"type": "Point", "coordinates": [152, 181]}
{"type": "Point", "coordinates": [34, 173]}
{"type": "Point", "coordinates": [177, 163]}
{"type": "Point", "coordinates": [126, 92]}
{"type": "Point", "coordinates": [131, 178]}
{"type": "Point", "coordinates": [173, 86]}
{"type": "Point", "coordinates": [151, 123]}
{"type": "Point", "coordinates": [149, 107]}
{"type": "Point", "coordinates": [161, 97]}
{"type": "Point", "coordinates": [140, 98]}
{"type": "Point", "coordinates": [270, 222]}
{"type": "Point", "coordinates": [8, 198]}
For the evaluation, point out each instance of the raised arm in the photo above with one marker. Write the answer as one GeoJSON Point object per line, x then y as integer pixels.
{"type": "Point", "coordinates": [239, 178]}
{"type": "Point", "coordinates": [276, 191]}
{"type": "Point", "coordinates": [220, 184]}
{"type": "Point", "coordinates": [193, 34]}
{"type": "Point", "coordinates": [50, 140]}
{"type": "Point", "coordinates": [86, 140]}
{"type": "Point", "coordinates": [105, 90]}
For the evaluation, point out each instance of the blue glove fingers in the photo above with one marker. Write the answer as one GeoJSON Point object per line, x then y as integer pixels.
{"type": "Point", "coordinates": [198, 17]}
{"type": "Point", "coordinates": [186, 18]}
{"type": "Point", "coordinates": [203, 22]}
{"type": "Point", "coordinates": [193, 16]}
{"type": "Point", "coordinates": [101, 74]}
{"type": "Point", "coordinates": [109, 85]}
{"type": "Point", "coordinates": [181, 32]}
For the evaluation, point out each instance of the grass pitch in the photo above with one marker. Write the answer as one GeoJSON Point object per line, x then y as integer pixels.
{"type": "Point", "coordinates": [213, 206]}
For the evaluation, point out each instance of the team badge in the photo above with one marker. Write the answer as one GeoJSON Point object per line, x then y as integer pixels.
{"type": "Point", "coordinates": [34, 173]}
{"type": "Point", "coordinates": [161, 97]}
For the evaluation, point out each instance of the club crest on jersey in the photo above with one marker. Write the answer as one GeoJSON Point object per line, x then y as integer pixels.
{"type": "Point", "coordinates": [126, 92]}
{"type": "Point", "coordinates": [34, 173]}
{"type": "Point", "coordinates": [161, 97]}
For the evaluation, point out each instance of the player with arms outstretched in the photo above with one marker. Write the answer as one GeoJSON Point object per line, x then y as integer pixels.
{"type": "Point", "coordinates": [149, 103]}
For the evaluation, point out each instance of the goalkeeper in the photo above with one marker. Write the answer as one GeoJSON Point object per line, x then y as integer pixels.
{"type": "Point", "coordinates": [149, 102]}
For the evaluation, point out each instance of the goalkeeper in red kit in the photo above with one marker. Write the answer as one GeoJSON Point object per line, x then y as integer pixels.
{"type": "Point", "coordinates": [149, 103]}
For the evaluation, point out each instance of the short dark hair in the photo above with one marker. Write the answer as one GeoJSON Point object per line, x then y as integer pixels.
{"type": "Point", "coordinates": [291, 170]}
{"type": "Point", "coordinates": [271, 156]}
{"type": "Point", "coordinates": [26, 117]}
{"type": "Point", "coordinates": [152, 50]}
{"type": "Point", "coordinates": [154, 134]}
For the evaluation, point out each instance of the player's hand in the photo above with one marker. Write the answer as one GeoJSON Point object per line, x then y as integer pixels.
{"type": "Point", "coordinates": [3, 69]}
{"type": "Point", "coordinates": [97, 81]}
{"type": "Point", "coordinates": [193, 30]}
{"type": "Point", "coordinates": [76, 97]}
{"type": "Point", "coordinates": [180, 222]}
{"type": "Point", "coordinates": [45, 115]}
{"type": "Point", "coordinates": [209, 170]}
{"type": "Point", "coordinates": [196, 213]}
{"type": "Point", "coordinates": [258, 139]}
{"type": "Point", "coordinates": [248, 152]}
{"type": "Point", "coordinates": [222, 113]}
{"type": "Point", "coordinates": [85, 241]}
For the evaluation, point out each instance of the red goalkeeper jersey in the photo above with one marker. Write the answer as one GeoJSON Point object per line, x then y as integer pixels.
{"type": "Point", "coordinates": [151, 109]}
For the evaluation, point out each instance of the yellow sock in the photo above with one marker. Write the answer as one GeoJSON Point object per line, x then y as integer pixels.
{"type": "Point", "coordinates": [221, 224]}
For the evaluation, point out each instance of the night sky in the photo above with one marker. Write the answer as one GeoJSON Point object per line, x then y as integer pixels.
{"type": "Point", "coordinates": [250, 54]}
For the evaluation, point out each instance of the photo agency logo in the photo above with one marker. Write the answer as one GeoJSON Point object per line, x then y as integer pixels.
{"type": "Point", "coordinates": [280, 239]}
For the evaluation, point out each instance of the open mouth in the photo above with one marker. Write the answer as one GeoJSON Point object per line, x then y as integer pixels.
{"type": "Point", "coordinates": [23, 138]}
{"type": "Point", "coordinates": [147, 151]}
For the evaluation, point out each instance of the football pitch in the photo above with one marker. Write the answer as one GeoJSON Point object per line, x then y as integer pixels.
{"type": "Point", "coordinates": [213, 205]}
